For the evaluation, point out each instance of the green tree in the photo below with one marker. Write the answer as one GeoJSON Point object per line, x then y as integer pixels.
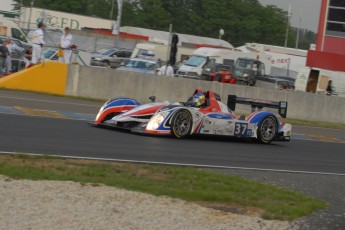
{"type": "Point", "coordinates": [242, 20]}
{"type": "Point", "coordinates": [147, 14]}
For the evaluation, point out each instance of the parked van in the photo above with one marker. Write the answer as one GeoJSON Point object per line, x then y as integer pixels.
{"type": "Point", "coordinates": [160, 51]}
{"type": "Point", "coordinates": [9, 28]}
{"type": "Point", "coordinates": [205, 57]}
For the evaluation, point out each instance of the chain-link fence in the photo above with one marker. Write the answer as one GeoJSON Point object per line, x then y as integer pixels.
{"type": "Point", "coordinates": [88, 42]}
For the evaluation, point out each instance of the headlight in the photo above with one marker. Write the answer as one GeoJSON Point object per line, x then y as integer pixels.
{"type": "Point", "coordinates": [97, 59]}
{"type": "Point", "coordinates": [155, 121]}
{"type": "Point", "coordinates": [245, 75]}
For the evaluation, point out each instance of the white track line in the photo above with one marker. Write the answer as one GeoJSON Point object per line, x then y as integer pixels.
{"type": "Point", "coordinates": [177, 164]}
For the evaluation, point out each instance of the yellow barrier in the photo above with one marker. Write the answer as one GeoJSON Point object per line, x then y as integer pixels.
{"type": "Point", "coordinates": [48, 77]}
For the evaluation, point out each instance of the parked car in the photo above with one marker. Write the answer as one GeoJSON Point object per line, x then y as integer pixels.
{"type": "Point", "coordinates": [111, 58]}
{"type": "Point", "coordinates": [224, 76]}
{"type": "Point", "coordinates": [177, 66]}
{"type": "Point", "coordinates": [18, 45]}
{"type": "Point", "coordinates": [213, 69]}
{"type": "Point", "coordinates": [277, 82]}
{"type": "Point", "coordinates": [51, 54]}
{"type": "Point", "coordinates": [285, 84]}
{"type": "Point", "coordinates": [142, 65]}
{"type": "Point", "coordinates": [17, 53]}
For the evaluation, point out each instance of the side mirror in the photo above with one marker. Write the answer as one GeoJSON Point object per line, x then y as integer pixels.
{"type": "Point", "coordinates": [152, 98]}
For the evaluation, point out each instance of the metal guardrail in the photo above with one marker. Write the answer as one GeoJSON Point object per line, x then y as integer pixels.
{"type": "Point", "coordinates": [19, 64]}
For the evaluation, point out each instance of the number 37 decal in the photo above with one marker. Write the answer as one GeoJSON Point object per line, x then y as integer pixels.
{"type": "Point", "coordinates": [241, 129]}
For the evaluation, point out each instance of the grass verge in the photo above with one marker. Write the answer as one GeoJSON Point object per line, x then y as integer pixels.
{"type": "Point", "coordinates": [316, 123]}
{"type": "Point", "coordinates": [191, 184]}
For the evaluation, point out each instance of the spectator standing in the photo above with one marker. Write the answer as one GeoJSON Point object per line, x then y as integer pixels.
{"type": "Point", "coordinates": [329, 89]}
{"type": "Point", "coordinates": [4, 52]}
{"type": "Point", "coordinates": [10, 46]}
{"type": "Point", "coordinates": [37, 43]}
{"type": "Point", "coordinates": [65, 45]}
{"type": "Point", "coordinates": [166, 70]}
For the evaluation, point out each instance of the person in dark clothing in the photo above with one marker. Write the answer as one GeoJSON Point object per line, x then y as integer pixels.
{"type": "Point", "coordinates": [27, 57]}
{"type": "Point", "coordinates": [329, 90]}
{"type": "Point", "coordinates": [4, 52]}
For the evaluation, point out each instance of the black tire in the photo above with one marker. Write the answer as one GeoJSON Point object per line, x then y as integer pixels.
{"type": "Point", "coordinates": [218, 78]}
{"type": "Point", "coordinates": [267, 130]}
{"type": "Point", "coordinates": [106, 64]}
{"type": "Point", "coordinates": [181, 124]}
{"type": "Point", "coordinates": [251, 83]}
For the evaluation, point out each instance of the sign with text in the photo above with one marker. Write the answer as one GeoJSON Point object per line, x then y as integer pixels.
{"type": "Point", "coordinates": [57, 19]}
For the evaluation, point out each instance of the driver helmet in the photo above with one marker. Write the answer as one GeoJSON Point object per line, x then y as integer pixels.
{"type": "Point", "coordinates": [199, 99]}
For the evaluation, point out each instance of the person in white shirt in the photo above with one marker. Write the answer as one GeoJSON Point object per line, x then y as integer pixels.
{"type": "Point", "coordinates": [166, 70]}
{"type": "Point", "coordinates": [37, 43]}
{"type": "Point", "coordinates": [10, 47]}
{"type": "Point", "coordinates": [65, 45]}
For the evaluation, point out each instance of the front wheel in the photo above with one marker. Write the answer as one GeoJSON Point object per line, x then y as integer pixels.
{"type": "Point", "coordinates": [267, 130]}
{"type": "Point", "coordinates": [181, 124]}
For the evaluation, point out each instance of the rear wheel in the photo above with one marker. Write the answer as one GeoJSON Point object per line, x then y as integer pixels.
{"type": "Point", "coordinates": [267, 130]}
{"type": "Point", "coordinates": [106, 64]}
{"type": "Point", "coordinates": [181, 124]}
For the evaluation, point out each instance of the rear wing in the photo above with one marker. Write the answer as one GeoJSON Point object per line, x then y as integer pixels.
{"type": "Point", "coordinates": [258, 104]}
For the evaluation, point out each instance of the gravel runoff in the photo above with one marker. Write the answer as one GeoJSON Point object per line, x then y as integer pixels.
{"type": "Point", "coordinates": [330, 188]}
{"type": "Point", "coordinates": [26, 204]}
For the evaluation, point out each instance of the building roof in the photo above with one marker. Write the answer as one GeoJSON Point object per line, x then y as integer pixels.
{"type": "Point", "coordinates": [184, 39]}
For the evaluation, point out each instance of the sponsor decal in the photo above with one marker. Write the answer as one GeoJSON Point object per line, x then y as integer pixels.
{"type": "Point", "coordinates": [281, 61]}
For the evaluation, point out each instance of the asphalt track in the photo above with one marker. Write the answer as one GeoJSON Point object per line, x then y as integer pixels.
{"type": "Point", "coordinates": [43, 124]}
{"type": "Point", "coordinates": [312, 163]}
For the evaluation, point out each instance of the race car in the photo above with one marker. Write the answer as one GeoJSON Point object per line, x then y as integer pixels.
{"type": "Point", "coordinates": [209, 116]}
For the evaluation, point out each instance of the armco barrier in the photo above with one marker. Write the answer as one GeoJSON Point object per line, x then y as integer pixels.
{"type": "Point", "coordinates": [106, 83]}
{"type": "Point", "coordinates": [49, 77]}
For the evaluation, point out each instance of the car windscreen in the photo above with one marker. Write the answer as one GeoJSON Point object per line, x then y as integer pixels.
{"type": "Point", "coordinates": [222, 67]}
{"type": "Point", "coordinates": [18, 43]}
{"type": "Point", "coordinates": [49, 53]}
{"type": "Point", "coordinates": [140, 65]}
{"type": "Point", "coordinates": [243, 64]}
{"type": "Point", "coordinates": [196, 61]}
{"type": "Point", "coordinates": [107, 52]}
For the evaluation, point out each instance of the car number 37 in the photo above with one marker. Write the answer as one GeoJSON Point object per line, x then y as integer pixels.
{"type": "Point", "coordinates": [241, 129]}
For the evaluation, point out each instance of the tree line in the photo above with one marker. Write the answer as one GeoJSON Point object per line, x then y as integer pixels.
{"type": "Point", "coordinates": [242, 20]}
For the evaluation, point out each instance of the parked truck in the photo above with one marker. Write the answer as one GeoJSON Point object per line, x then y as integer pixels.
{"type": "Point", "coordinates": [204, 57]}
{"type": "Point", "coordinates": [248, 70]}
{"type": "Point", "coordinates": [247, 65]}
